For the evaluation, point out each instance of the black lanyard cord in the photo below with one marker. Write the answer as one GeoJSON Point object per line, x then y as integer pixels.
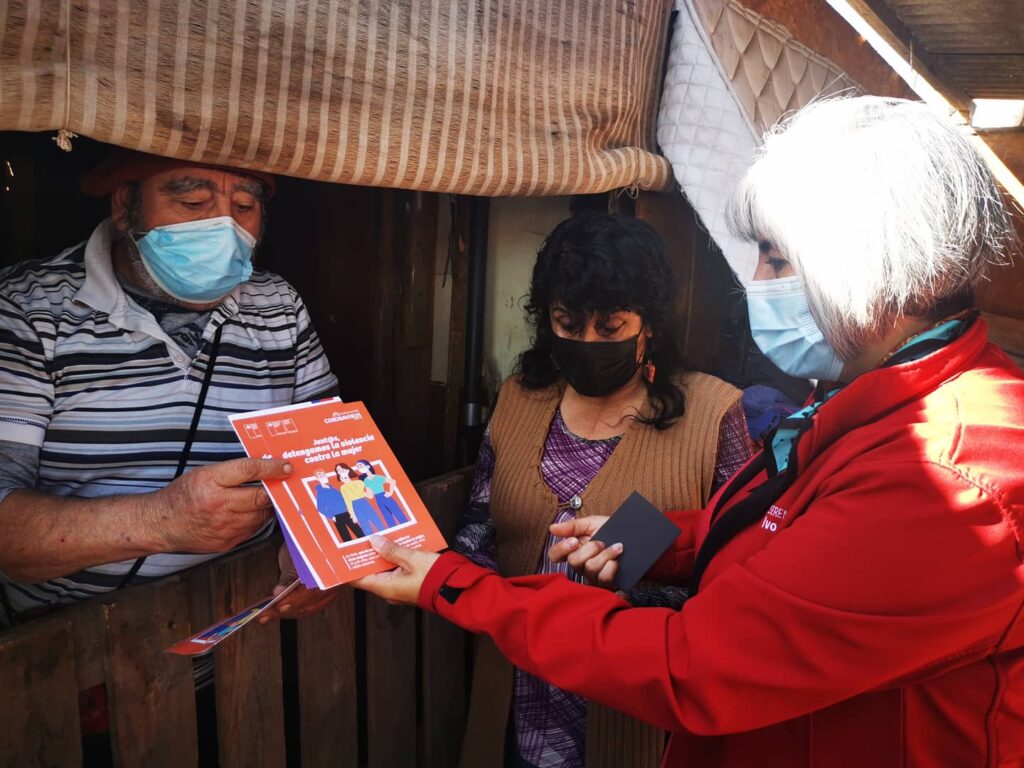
{"type": "Point", "coordinates": [186, 450]}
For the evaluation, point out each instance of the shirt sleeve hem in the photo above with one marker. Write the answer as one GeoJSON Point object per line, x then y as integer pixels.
{"type": "Point", "coordinates": [17, 431]}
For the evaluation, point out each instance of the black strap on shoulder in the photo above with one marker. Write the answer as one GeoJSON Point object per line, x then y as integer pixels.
{"type": "Point", "coordinates": [747, 511]}
{"type": "Point", "coordinates": [742, 515]}
{"type": "Point", "coordinates": [738, 481]}
{"type": "Point", "coordinates": [186, 450]}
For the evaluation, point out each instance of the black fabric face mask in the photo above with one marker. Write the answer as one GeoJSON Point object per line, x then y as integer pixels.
{"type": "Point", "coordinates": [596, 368]}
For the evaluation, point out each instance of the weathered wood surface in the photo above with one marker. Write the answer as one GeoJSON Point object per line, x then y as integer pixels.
{"type": "Point", "coordinates": [415, 671]}
{"type": "Point", "coordinates": [250, 708]}
{"type": "Point", "coordinates": [391, 684]}
{"type": "Point", "coordinates": [150, 692]}
{"type": "Point", "coordinates": [444, 646]}
{"type": "Point", "coordinates": [39, 716]}
{"type": "Point", "coordinates": [328, 699]}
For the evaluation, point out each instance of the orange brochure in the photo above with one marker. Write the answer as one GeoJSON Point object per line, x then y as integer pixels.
{"type": "Point", "coordinates": [345, 485]}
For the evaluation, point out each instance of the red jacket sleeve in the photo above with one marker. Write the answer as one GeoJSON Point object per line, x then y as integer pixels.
{"type": "Point", "coordinates": [675, 565]}
{"type": "Point", "coordinates": [878, 582]}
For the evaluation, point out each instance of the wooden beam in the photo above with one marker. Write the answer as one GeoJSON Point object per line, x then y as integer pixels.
{"type": "Point", "coordinates": [881, 18]}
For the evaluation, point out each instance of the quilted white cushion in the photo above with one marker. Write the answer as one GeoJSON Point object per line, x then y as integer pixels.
{"type": "Point", "coordinates": [731, 75]}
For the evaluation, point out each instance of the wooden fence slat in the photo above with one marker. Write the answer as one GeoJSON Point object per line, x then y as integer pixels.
{"type": "Point", "coordinates": [151, 692]}
{"type": "Point", "coordinates": [328, 698]}
{"type": "Point", "coordinates": [391, 684]}
{"type": "Point", "coordinates": [39, 716]}
{"type": "Point", "coordinates": [444, 645]}
{"type": "Point", "coordinates": [247, 666]}
{"type": "Point", "coordinates": [200, 610]}
{"type": "Point", "coordinates": [87, 629]}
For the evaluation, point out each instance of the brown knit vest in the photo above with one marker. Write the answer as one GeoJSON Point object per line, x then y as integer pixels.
{"type": "Point", "coordinates": [673, 468]}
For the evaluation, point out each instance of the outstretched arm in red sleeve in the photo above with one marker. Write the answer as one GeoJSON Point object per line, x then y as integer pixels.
{"type": "Point", "coordinates": [877, 583]}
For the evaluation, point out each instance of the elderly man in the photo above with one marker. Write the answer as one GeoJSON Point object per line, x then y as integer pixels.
{"type": "Point", "coordinates": [120, 361]}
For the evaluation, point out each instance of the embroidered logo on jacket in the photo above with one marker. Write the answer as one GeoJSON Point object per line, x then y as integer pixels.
{"type": "Point", "coordinates": [773, 518]}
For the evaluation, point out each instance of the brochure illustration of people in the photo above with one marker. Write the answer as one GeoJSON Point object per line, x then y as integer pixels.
{"type": "Point", "coordinates": [346, 485]}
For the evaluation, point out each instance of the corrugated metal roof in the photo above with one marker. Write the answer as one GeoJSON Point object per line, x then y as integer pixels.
{"type": "Point", "coordinates": [975, 45]}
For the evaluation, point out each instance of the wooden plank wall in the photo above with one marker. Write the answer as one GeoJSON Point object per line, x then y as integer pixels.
{"type": "Point", "coordinates": [363, 261]}
{"type": "Point", "coordinates": [328, 708]}
{"type": "Point", "coordinates": [405, 230]}
{"type": "Point", "coordinates": [415, 700]}
{"type": "Point", "coordinates": [443, 646]}
{"type": "Point", "coordinates": [39, 718]}
{"type": "Point", "coordinates": [705, 286]}
{"type": "Point", "coordinates": [250, 708]}
{"type": "Point", "coordinates": [150, 692]}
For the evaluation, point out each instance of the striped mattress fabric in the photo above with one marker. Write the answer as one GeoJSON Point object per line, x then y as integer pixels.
{"type": "Point", "coordinates": [482, 97]}
{"type": "Point", "coordinates": [91, 379]}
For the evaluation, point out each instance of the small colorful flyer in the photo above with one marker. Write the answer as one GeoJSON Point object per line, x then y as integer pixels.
{"type": "Point", "coordinates": [346, 485]}
{"type": "Point", "coordinates": [203, 641]}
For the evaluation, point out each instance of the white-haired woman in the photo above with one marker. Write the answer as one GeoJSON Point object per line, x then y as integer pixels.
{"type": "Point", "coordinates": [857, 590]}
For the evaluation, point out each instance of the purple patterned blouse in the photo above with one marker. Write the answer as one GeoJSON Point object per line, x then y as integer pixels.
{"type": "Point", "coordinates": [550, 723]}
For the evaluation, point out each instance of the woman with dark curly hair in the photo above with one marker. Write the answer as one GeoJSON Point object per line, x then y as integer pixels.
{"type": "Point", "coordinates": [601, 406]}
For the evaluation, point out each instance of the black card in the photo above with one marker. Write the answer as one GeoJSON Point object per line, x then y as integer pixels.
{"type": "Point", "coordinates": [644, 532]}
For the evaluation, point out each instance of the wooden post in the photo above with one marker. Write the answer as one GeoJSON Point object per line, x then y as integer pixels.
{"type": "Point", "coordinates": [457, 326]}
{"type": "Point", "coordinates": [247, 668]}
{"type": "Point", "coordinates": [39, 716]}
{"type": "Point", "coordinates": [151, 692]}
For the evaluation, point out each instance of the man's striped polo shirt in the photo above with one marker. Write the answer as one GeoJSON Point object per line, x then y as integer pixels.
{"type": "Point", "coordinates": [90, 378]}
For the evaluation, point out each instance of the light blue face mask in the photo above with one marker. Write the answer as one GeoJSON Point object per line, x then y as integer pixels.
{"type": "Point", "coordinates": [784, 329]}
{"type": "Point", "coordinates": [198, 261]}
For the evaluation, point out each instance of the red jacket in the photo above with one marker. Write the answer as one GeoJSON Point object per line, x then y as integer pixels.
{"type": "Point", "coordinates": [877, 620]}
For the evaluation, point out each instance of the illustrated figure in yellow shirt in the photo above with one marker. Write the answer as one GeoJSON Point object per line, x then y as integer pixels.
{"type": "Point", "coordinates": [357, 499]}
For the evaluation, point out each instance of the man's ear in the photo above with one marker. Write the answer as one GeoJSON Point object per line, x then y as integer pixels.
{"type": "Point", "coordinates": [120, 205]}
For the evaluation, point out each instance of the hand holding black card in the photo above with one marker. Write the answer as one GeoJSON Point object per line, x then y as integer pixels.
{"type": "Point", "coordinates": [644, 532]}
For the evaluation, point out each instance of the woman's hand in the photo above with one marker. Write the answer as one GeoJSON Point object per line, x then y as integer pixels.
{"type": "Point", "coordinates": [402, 585]}
{"type": "Point", "coordinates": [595, 561]}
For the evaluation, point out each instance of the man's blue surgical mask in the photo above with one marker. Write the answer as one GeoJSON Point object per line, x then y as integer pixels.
{"type": "Point", "coordinates": [198, 261]}
{"type": "Point", "coordinates": [784, 329]}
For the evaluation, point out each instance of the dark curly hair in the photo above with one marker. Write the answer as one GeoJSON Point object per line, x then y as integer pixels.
{"type": "Point", "coordinates": [603, 263]}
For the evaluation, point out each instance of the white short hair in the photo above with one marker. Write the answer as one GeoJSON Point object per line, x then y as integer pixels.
{"type": "Point", "coordinates": [882, 207]}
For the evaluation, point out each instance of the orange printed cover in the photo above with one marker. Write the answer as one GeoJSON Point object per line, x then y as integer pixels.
{"type": "Point", "coordinates": [345, 485]}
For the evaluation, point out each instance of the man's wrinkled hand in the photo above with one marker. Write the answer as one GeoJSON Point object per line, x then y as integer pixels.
{"type": "Point", "coordinates": [596, 562]}
{"type": "Point", "coordinates": [301, 601]}
{"type": "Point", "coordinates": [402, 585]}
{"type": "Point", "coordinates": [216, 507]}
